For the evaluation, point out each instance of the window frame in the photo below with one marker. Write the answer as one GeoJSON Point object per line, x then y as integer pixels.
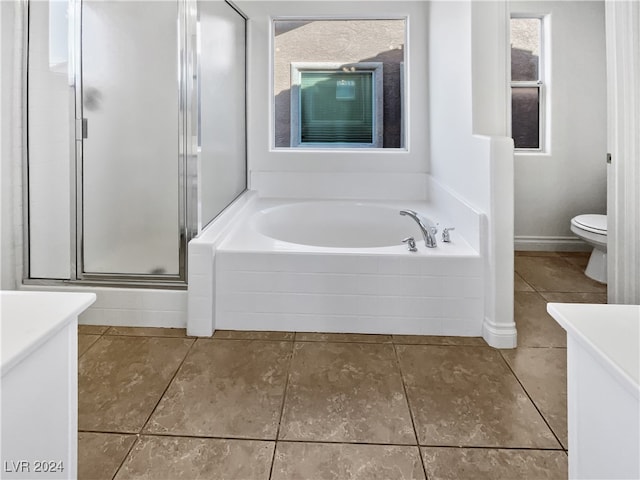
{"type": "Point", "coordinates": [377, 94]}
{"type": "Point", "coordinates": [541, 84]}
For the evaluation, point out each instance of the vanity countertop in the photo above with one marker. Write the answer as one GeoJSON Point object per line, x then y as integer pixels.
{"type": "Point", "coordinates": [29, 319]}
{"type": "Point", "coordinates": [611, 333]}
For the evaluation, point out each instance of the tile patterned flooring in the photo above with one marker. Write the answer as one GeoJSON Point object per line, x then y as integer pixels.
{"type": "Point", "coordinates": [154, 403]}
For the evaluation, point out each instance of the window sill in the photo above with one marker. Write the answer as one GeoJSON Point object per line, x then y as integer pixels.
{"type": "Point", "coordinates": [530, 153]}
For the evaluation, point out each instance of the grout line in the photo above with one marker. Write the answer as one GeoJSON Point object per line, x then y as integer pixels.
{"type": "Point", "coordinates": [108, 432]}
{"type": "Point", "coordinates": [361, 342]}
{"type": "Point", "coordinates": [164, 392]}
{"type": "Point", "coordinates": [151, 336]}
{"type": "Point", "coordinates": [413, 422]}
{"type": "Point", "coordinates": [493, 447]}
{"type": "Point", "coordinates": [90, 346]}
{"type": "Point", "coordinates": [100, 335]}
{"type": "Point", "coordinates": [124, 459]}
{"type": "Point", "coordinates": [285, 340]}
{"type": "Point", "coordinates": [344, 343]}
{"type": "Point", "coordinates": [540, 347]}
{"type": "Point", "coordinates": [544, 419]}
{"type": "Point", "coordinates": [329, 442]}
{"type": "Point", "coordinates": [284, 398]}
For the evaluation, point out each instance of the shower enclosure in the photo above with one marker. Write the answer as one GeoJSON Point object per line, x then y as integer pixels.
{"type": "Point", "coordinates": [136, 135]}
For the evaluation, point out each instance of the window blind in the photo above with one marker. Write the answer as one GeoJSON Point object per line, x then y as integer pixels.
{"type": "Point", "coordinates": [336, 107]}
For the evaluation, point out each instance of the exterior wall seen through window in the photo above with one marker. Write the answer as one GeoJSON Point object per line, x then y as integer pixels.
{"type": "Point", "coordinates": [339, 83]}
{"type": "Point", "coordinates": [527, 86]}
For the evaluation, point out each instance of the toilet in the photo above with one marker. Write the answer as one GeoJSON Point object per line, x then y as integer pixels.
{"type": "Point", "coordinates": [593, 230]}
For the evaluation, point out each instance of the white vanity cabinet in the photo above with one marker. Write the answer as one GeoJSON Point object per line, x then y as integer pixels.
{"type": "Point", "coordinates": [603, 372]}
{"type": "Point", "coordinates": [38, 396]}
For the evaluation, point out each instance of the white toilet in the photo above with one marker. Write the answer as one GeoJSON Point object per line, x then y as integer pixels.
{"type": "Point", "coordinates": [593, 230]}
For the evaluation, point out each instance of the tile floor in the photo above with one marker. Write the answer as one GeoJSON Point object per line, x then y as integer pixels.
{"type": "Point", "coordinates": [156, 404]}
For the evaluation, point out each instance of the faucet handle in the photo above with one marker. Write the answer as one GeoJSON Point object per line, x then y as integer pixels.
{"type": "Point", "coordinates": [411, 243]}
{"type": "Point", "coordinates": [445, 234]}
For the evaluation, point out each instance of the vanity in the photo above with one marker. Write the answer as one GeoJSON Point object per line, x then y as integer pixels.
{"type": "Point", "coordinates": [603, 387]}
{"type": "Point", "coordinates": [38, 399]}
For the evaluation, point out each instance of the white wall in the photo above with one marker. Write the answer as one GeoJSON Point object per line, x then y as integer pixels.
{"type": "Point", "coordinates": [489, 37]}
{"type": "Point", "coordinates": [10, 205]}
{"type": "Point", "coordinates": [569, 179]}
{"type": "Point", "coordinates": [260, 137]}
{"type": "Point", "coordinates": [453, 159]}
{"type": "Point", "coordinates": [467, 81]}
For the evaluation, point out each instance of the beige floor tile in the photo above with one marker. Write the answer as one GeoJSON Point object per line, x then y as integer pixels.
{"type": "Point", "coordinates": [346, 393]}
{"type": "Point", "coordinates": [92, 329]}
{"type": "Point", "coordinates": [536, 328]}
{"type": "Point", "coordinates": [252, 335]}
{"type": "Point", "coordinates": [121, 379]}
{"type": "Point", "coordinates": [311, 461]}
{"type": "Point", "coordinates": [574, 297]}
{"type": "Point", "coordinates": [226, 389]}
{"type": "Point", "coordinates": [176, 458]}
{"type": "Point", "coordinates": [85, 341]}
{"type": "Point", "coordinates": [492, 464]}
{"type": "Point", "coordinates": [543, 373]}
{"type": "Point", "coordinates": [342, 337]}
{"type": "Point", "coordinates": [101, 454]}
{"type": "Point", "coordinates": [555, 274]}
{"type": "Point", "coordinates": [466, 396]}
{"type": "Point", "coordinates": [147, 332]}
{"type": "Point", "coordinates": [579, 259]}
{"type": "Point", "coordinates": [519, 285]}
{"type": "Point", "coordinates": [436, 340]}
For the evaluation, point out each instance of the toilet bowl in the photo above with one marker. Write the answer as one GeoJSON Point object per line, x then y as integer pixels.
{"type": "Point", "coordinates": [593, 230]}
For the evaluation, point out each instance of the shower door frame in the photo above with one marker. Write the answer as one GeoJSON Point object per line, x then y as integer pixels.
{"type": "Point", "coordinates": [187, 158]}
{"type": "Point", "coordinates": [187, 197]}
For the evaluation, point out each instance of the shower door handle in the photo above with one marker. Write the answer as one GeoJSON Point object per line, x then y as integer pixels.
{"type": "Point", "coordinates": [82, 128]}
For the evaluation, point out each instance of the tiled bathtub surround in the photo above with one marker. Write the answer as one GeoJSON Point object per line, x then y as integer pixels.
{"type": "Point", "coordinates": [281, 405]}
{"type": "Point", "coordinates": [349, 293]}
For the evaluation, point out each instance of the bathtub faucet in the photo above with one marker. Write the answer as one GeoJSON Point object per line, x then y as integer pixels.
{"type": "Point", "coordinates": [427, 228]}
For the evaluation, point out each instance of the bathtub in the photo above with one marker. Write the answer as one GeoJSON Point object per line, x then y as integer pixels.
{"type": "Point", "coordinates": [334, 225]}
{"type": "Point", "coordinates": [341, 266]}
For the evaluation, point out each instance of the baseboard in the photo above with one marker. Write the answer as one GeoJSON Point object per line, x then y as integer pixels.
{"type": "Point", "coordinates": [128, 307]}
{"type": "Point", "coordinates": [550, 244]}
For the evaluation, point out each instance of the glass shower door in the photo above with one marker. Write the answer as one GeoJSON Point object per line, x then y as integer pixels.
{"type": "Point", "coordinates": [131, 148]}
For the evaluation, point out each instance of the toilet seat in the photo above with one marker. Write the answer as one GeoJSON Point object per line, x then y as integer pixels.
{"type": "Point", "coordinates": [591, 223]}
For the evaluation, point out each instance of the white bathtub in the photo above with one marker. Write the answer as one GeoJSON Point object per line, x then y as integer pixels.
{"type": "Point", "coordinates": [335, 224]}
{"type": "Point", "coordinates": [338, 266]}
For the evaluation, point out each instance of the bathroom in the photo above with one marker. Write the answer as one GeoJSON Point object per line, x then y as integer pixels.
{"type": "Point", "coordinates": [462, 128]}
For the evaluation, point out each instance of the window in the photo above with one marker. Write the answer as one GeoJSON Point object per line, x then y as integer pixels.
{"type": "Point", "coordinates": [527, 86]}
{"type": "Point", "coordinates": [338, 83]}
{"type": "Point", "coordinates": [336, 105]}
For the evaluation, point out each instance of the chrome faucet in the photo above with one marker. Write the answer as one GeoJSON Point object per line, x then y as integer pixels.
{"type": "Point", "coordinates": [427, 228]}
